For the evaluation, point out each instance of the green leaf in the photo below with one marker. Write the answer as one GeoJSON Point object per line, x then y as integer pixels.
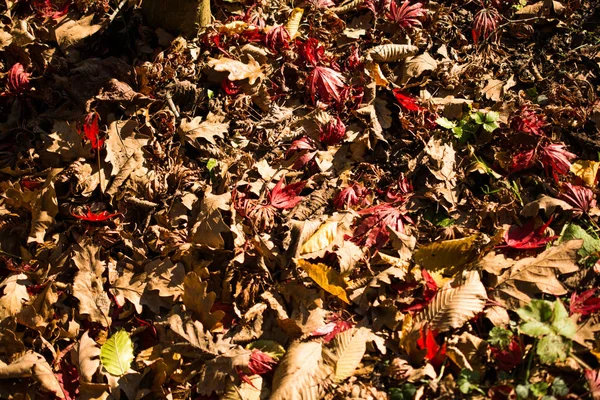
{"type": "Point", "coordinates": [478, 117]}
{"type": "Point", "coordinates": [539, 389]}
{"type": "Point", "coordinates": [210, 94]}
{"type": "Point", "coordinates": [559, 387]}
{"type": "Point", "coordinates": [491, 117]}
{"type": "Point", "coordinates": [536, 310]}
{"type": "Point", "coordinates": [573, 231]}
{"type": "Point", "coordinates": [500, 337]}
{"type": "Point", "coordinates": [522, 391]}
{"type": "Point", "coordinates": [210, 164]}
{"type": "Point", "coordinates": [270, 347]}
{"type": "Point", "coordinates": [535, 328]}
{"type": "Point", "coordinates": [552, 348]}
{"type": "Point", "coordinates": [468, 380]}
{"type": "Point", "coordinates": [445, 123]}
{"type": "Point", "coordinates": [116, 354]}
{"type": "Point", "coordinates": [561, 323]}
{"type": "Point", "coordinates": [458, 132]}
{"type": "Point", "coordinates": [490, 126]}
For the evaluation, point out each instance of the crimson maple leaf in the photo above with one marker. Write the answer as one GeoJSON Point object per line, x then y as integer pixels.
{"type": "Point", "coordinates": [435, 353]}
{"type": "Point", "coordinates": [311, 51]}
{"type": "Point", "coordinates": [46, 9]}
{"type": "Point", "coordinates": [509, 357]}
{"type": "Point", "coordinates": [285, 197]}
{"type": "Point", "coordinates": [522, 160]}
{"type": "Point", "coordinates": [526, 237]}
{"type": "Point", "coordinates": [407, 102]}
{"type": "Point", "coordinates": [306, 150]}
{"type": "Point", "coordinates": [584, 303]}
{"type": "Point", "coordinates": [351, 196]}
{"type": "Point", "coordinates": [278, 38]}
{"type": "Point", "coordinates": [528, 121]}
{"type": "Point", "coordinates": [580, 197]}
{"type": "Point", "coordinates": [260, 363]}
{"type": "Point", "coordinates": [95, 217]}
{"type": "Point", "coordinates": [406, 15]}
{"type": "Point", "coordinates": [18, 79]}
{"type": "Point", "coordinates": [556, 159]}
{"type": "Point", "coordinates": [333, 132]}
{"type": "Point", "coordinates": [325, 82]}
{"type": "Point", "coordinates": [377, 6]}
{"type": "Point", "coordinates": [593, 379]}
{"type": "Point", "coordinates": [485, 23]}
{"type": "Point", "coordinates": [91, 130]}
{"type": "Point", "coordinates": [373, 228]}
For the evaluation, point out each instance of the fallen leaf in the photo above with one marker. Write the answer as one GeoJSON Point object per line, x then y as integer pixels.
{"type": "Point", "coordinates": [327, 278]}
{"type": "Point", "coordinates": [587, 170]}
{"type": "Point", "coordinates": [238, 70]}
{"type": "Point", "coordinates": [71, 32]}
{"type": "Point", "coordinates": [33, 365]}
{"type": "Point", "coordinates": [493, 90]}
{"type": "Point", "coordinates": [199, 301]}
{"type": "Point", "coordinates": [14, 295]}
{"type": "Point", "coordinates": [415, 66]}
{"type": "Point", "coordinates": [448, 256]}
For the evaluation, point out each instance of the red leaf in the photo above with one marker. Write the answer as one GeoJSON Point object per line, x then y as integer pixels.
{"type": "Point", "coordinates": [306, 150]}
{"type": "Point", "coordinates": [378, 7]}
{"type": "Point", "coordinates": [557, 159]}
{"type": "Point", "coordinates": [95, 217]}
{"type": "Point", "coordinates": [406, 15]}
{"type": "Point", "coordinates": [278, 38]}
{"type": "Point", "coordinates": [528, 121]}
{"type": "Point", "coordinates": [373, 229]}
{"type": "Point", "coordinates": [325, 82]}
{"type": "Point", "coordinates": [593, 379]}
{"type": "Point", "coordinates": [260, 363]}
{"type": "Point", "coordinates": [333, 132]}
{"type": "Point", "coordinates": [91, 130]}
{"type": "Point", "coordinates": [331, 329]}
{"type": "Point", "coordinates": [435, 353]}
{"type": "Point", "coordinates": [230, 87]}
{"type": "Point", "coordinates": [46, 9]}
{"type": "Point", "coordinates": [346, 198]}
{"type": "Point", "coordinates": [510, 357]}
{"type": "Point", "coordinates": [407, 102]}
{"type": "Point", "coordinates": [311, 51]}
{"type": "Point", "coordinates": [580, 197]}
{"type": "Point", "coordinates": [18, 79]}
{"type": "Point", "coordinates": [525, 237]}
{"type": "Point", "coordinates": [485, 23]}
{"type": "Point", "coordinates": [286, 197]}
{"type": "Point", "coordinates": [522, 160]}
{"type": "Point", "coordinates": [429, 292]}
{"type": "Point", "coordinates": [584, 303]}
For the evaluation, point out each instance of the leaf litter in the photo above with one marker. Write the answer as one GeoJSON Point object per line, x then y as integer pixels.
{"type": "Point", "coordinates": [329, 199]}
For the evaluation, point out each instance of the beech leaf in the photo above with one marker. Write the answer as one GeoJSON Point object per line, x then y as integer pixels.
{"type": "Point", "coordinates": [116, 354]}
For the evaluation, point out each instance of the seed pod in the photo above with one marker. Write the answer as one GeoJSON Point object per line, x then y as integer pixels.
{"type": "Point", "coordinates": [293, 22]}
{"type": "Point", "coordinates": [347, 7]}
{"type": "Point", "coordinates": [391, 52]}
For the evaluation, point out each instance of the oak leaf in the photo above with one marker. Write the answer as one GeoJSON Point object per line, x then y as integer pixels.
{"type": "Point", "coordinates": [164, 284]}
{"type": "Point", "coordinates": [209, 226]}
{"type": "Point", "coordinates": [238, 70]}
{"type": "Point", "coordinates": [199, 301]}
{"type": "Point", "coordinates": [14, 294]}
{"type": "Point", "coordinates": [33, 365]}
{"type": "Point", "coordinates": [88, 285]}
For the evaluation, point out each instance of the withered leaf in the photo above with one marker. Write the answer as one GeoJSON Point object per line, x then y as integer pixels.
{"type": "Point", "coordinates": [238, 70]}
{"type": "Point", "coordinates": [327, 278]}
{"type": "Point", "coordinates": [210, 226]}
{"type": "Point", "coordinates": [33, 365]}
{"type": "Point", "coordinates": [199, 301]}
{"type": "Point", "coordinates": [14, 294]}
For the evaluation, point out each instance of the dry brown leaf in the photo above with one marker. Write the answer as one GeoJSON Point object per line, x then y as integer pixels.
{"type": "Point", "coordinates": [493, 90]}
{"type": "Point", "coordinates": [66, 142]}
{"type": "Point", "coordinates": [546, 203]}
{"type": "Point", "coordinates": [219, 372]}
{"type": "Point", "coordinates": [88, 284]}
{"type": "Point", "coordinates": [448, 256]}
{"type": "Point", "coordinates": [238, 70]}
{"type": "Point", "coordinates": [415, 66]}
{"type": "Point", "coordinates": [33, 365]}
{"type": "Point", "coordinates": [14, 294]}
{"type": "Point", "coordinates": [44, 210]}
{"type": "Point", "coordinates": [86, 356]}
{"type": "Point", "coordinates": [301, 374]}
{"type": "Point", "coordinates": [195, 129]}
{"type": "Point", "coordinates": [455, 303]}
{"type": "Point", "coordinates": [208, 228]}
{"type": "Point", "coordinates": [131, 287]}
{"type": "Point", "coordinates": [533, 275]}
{"type": "Point", "coordinates": [164, 284]}
{"type": "Point", "coordinates": [41, 310]}
{"type": "Point", "coordinates": [197, 300]}
{"type": "Point", "coordinates": [122, 143]}
{"type": "Point", "coordinates": [71, 32]}
{"type": "Point", "coordinates": [194, 334]}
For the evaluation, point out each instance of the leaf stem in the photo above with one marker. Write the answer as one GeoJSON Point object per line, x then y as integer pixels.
{"type": "Point", "coordinates": [527, 373]}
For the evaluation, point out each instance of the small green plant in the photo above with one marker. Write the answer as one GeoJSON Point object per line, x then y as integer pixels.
{"type": "Point", "coordinates": [468, 381]}
{"type": "Point", "coordinates": [500, 337]}
{"type": "Point", "coordinates": [542, 390]}
{"type": "Point", "coordinates": [468, 126]}
{"type": "Point", "coordinates": [550, 324]}
{"type": "Point", "coordinates": [406, 392]}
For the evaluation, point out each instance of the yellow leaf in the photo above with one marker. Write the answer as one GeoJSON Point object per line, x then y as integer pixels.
{"type": "Point", "coordinates": [293, 22]}
{"type": "Point", "coordinates": [377, 75]}
{"type": "Point", "coordinates": [322, 238]}
{"type": "Point", "coordinates": [448, 256]}
{"type": "Point", "coordinates": [327, 278]}
{"type": "Point", "coordinates": [586, 170]}
{"type": "Point", "coordinates": [237, 27]}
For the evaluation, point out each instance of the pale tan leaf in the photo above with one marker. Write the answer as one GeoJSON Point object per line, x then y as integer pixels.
{"type": "Point", "coordinates": [14, 294]}
{"type": "Point", "coordinates": [44, 210]}
{"type": "Point", "coordinates": [207, 130]}
{"type": "Point", "coordinates": [415, 66]}
{"type": "Point", "coordinates": [39, 313]}
{"type": "Point", "coordinates": [219, 372]}
{"type": "Point", "coordinates": [546, 203]}
{"type": "Point", "coordinates": [322, 238]}
{"type": "Point", "coordinates": [327, 278]}
{"type": "Point", "coordinates": [455, 303]}
{"type": "Point", "coordinates": [164, 284]}
{"type": "Point", "coordinates": [66, 142]}
{"type": "Point", "coordinates": [493, 90]}
{"type": "Point", "coordinates": [238, 70]}
{"type": "Point", "coordinates": [123, 141]}
{"type": "Point", "coordinates": [87, 358]}
{"type": "Point", "coordinates": [293, 22]}
{"type": "Point", "coordinates": [194, 334]}
{"type": "Point", "coordinates": [301, 374]}
{"type": "Point", "coordinates": [448, 256]}
{"type": "Point", "coordinates": [391, 52]}
{"type": "Point", "coordinates": [209, 226]}
{"type": "Point", "coordinates": [256, 389]}
{"type": "Point", "coordinates": [131, 287]}
{"type": "Point", "coordinates": [33, 365]}
{"type": "Point", "coordinates": [197, 300]}
{"type": "Point", "coordinates": [532, 275]}
{"type": "Point", "coordinates": [349, 347]}
{"type": "Point", "coordinates": [72, 31]}
{"type": "Point", "coordinates": [88, 284]}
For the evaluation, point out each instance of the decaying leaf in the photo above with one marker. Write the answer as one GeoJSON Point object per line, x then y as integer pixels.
{"type": "Point", "coordinates": [33, 365]}
{"type": "Point", "coordinates": [238, 70]}
{"type": "Point", "coordinates": [14, 295]}
{"type": "Point", "coordinates": [448, 256]}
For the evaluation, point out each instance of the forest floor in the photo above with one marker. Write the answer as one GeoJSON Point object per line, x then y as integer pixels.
{"type": "Point", "coordinates": [378, 199]}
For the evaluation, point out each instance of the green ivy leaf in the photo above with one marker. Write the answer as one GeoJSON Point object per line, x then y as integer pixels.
{"type": "Point", "coordinates": [561, 323]}
{"type": "Point", "coordinates": [552, 348]}
{"type": "Point", "coordinates": [492, 117]}
{"type": "Point", "coordinates": [490, 126]}
{"type": "Point", "coordinates": [537, 310]}
{"type": "Point", "coordinates": [573, 231]}
{"type": "Point", "coordinates": [116, 354]}
{"type": "Point", "coordinates": [500, 337]}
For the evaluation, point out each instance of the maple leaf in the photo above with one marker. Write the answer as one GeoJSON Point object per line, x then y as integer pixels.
{"type": "Point", "coordinates": [485, 23]}
{"type": "Point", "coordinates": [260, 363]}
{"type": "Point", "coordinates": [372, 230]}
{"type": "Point", "coordinates": [278, 38]}
{"type": "Point", "coordinates": [584, 303]}
{"type": "Point", "coordinates": [377, 7]}
{"type": "Point", "coordinates": [95, 217]}
{"type": "Point", "coordinates": [593, 379]}
{"type": "Point", "coordinates": [510, 357]}
{"type": "Point", "coordinates": [91, 130]}
{"type": "Point", "coordinates": [580, 197]}
{"type": "Point", "coordinates": [46, 9]}
{"type": "Point", "coordinates": [435, 353]}
{"type": "Point", "coordinates": [528, 121]}
{"type": "Point", "coordinates": [18, 79]}
{"type": "Point", "coordinates": [311, 51]}
{"type": "Point", "coordinates": [556, 159]}
{"type": "Point", "coordinates": [526, 237]}
{"type": "Point", "coordinates": [407, 102]}
{"type": "Point", "coordinates": [351, 196]}
{"type": "Point", "coordinates": [333, 132]}
{"type": "Point", "coordinates": [522, 160]}
{"type": "Point", "coordinates": [306, 148]}
{"type": "Point", "coordinates": [325, 82]}
{"type": "Point", "coordinates": [406, 15]}
{"type": "Point", "coordinates": [286, 197]}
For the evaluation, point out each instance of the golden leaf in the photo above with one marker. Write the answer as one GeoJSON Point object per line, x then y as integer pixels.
{"type": "Point", "coordinates": [376, 74]}
{"type": "Point", "coordinates": [322, 238]}
{"type": "Point", "coordinates": [448, 256]}
{"type": "Point", "coordinates": [293, 22]}
{"type": "Point", "coordinates": [586, 170]}
{"type": "Point", "coordinates": [327, 278]}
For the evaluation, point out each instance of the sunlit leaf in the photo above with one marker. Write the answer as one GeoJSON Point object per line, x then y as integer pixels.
{"type": "Point", "coordinates": [116, 354]}
{"type": "Point", "coordinates": [327, 278]}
